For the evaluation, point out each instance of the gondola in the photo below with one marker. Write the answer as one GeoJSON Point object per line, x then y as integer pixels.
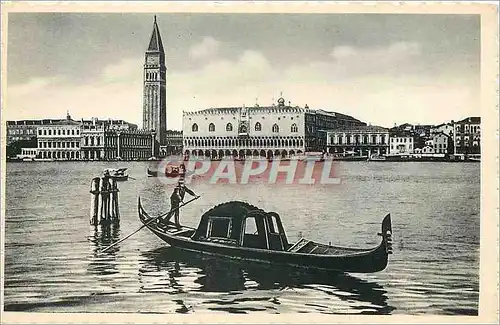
{"type": "Point", "coordinates": [152, 173]}
{"type": "Point", "coordinates": [119, 178]}
{"type": "Point", "coordinates": [174, 174]}
{"type": "Point", "coordinates": [117, 174]}
{"type": "Point", "coordinates": [225, 230]}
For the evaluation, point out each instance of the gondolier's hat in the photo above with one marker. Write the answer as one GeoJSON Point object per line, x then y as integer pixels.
{"type": "Point", "coordinates": [181, 181]}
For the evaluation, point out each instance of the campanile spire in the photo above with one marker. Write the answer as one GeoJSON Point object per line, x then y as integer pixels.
{"type": "Point", "coordinates": [155, 91]}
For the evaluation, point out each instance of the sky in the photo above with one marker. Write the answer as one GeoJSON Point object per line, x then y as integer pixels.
{"type": "Point", "coordinates": [382, 69]}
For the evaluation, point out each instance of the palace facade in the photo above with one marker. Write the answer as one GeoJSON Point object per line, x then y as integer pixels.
{"type": "Point", "coordinates": [278, 130]}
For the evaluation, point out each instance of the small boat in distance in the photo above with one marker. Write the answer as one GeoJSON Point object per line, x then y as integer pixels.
{"type": "Point", "coordinates": [152, 173]}
{"type": "Point", "coordinates": [342, 157]}
{"type": "Point", "coordinates": [173, 172]}
{"type": "Point", "coordinates": [117, 174]}
{"type": "Point", "coordinates": [238, 230]}
{"type": "Point", "coordinates": [376, 157]}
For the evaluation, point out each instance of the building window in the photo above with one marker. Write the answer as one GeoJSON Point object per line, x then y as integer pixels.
{"type": "Point", "coordinates": [194, 128]}
{"type": "Point", "coordinates": [276, 128]}
{"type": "Point", "coordinates": [229, 127]}
{"type": "Point", "coordinates": [211, 127]}
{"type": "Point", "coordinates": [39, 132]}
{"type": "Point", "coordinates": [258, 126]}
{"type": "Point", "coordinates": [44, 132]}
{"type": "Point", "coordinates": [294, 128]}
{"type": "Point", "coordinates": [63, 132]}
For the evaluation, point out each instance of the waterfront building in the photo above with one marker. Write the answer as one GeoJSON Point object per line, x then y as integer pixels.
{"type": "Point", "coordinates": [59, 140]}
{"type": "Point", "coordinates": [319, 122]}
{"type": "Point", "coordinates": [173, 143]}
{"type": "Point", "coordinates": [401, 144]}
{"type": "Point", "coordinates": [277, 130]}
{"type": "Point", "coordinates": [467, 137]}
{"type": "Point", "coordinates": [441, 143]}
{"type": "Point", "coordinates": [358, 140]}
{"type": "Point", "coordinates": [25, 129]}
{"type": "Point", "coordinates": [92, 140]}
{"type": "Point", "coordinates": [128, 145]}
{"type": "Point", "coordinates": [93, 134]}
{"type": "Point", "coordinates": [155, 87]}
{"type": "Point", "coordinates": [437, 146]}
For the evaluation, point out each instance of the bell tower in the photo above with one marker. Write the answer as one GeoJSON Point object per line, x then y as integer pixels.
{"type": "Point", "coordinates": [154, 111]}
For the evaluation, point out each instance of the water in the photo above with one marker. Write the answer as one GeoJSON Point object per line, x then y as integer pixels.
{"type": "Point", "coordinates": [52, 264]}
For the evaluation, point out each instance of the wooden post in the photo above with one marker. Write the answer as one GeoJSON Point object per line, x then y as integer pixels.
{"type": "Point", "coordinates": [94, 201]}
{"type": "Point", "coordinates": [104, 207]}
{"type": "Point", "coordinates": [115, 212]}
{"type": "Point", "coordinates": [105, 201]}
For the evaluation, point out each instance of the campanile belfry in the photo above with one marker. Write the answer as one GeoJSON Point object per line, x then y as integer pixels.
{"type": "Point", "coordinates": [155, 87]}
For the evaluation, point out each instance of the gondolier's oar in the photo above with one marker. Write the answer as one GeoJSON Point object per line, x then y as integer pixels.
{"type": "Point", "coordinates": [147, 223]}
{"type": "Point", "coordinates": [132, 178]}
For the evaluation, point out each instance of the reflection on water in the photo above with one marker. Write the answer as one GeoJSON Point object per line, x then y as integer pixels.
{"type": "Point", "coordinates": [101, 237]}
{"type": "Point", "coordinates": [222, 275]}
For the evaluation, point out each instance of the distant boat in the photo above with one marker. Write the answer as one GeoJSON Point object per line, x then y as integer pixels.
{"type": "Point", "coordinates": [117, 174]}
{"type": "Point", "coordinates": [152, 173]}
{"type": "Point", "coordinates": [341, 157]}
{"type": "Point", "coordinates": [377, 158]}
{"type": "Point", "coordinates": [173, 172]}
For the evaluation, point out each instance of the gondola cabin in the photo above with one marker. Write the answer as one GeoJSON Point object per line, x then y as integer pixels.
{"type": "Point", "coordinates": [236, 227]}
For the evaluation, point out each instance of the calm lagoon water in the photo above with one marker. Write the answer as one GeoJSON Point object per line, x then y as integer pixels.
{"type": "Point", "coordinates": [52, 262]}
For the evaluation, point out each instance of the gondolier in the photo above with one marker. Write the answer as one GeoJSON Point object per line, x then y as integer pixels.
{"type": "Point", "coordinates": [176, 198]}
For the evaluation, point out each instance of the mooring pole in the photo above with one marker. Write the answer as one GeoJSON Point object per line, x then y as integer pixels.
{"type": "Point", "coordinates": [115, 212]}
{"type": "Point", "coordinates": [105, 201]}
{"type": "Point", "coordinates": [94, 200]}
